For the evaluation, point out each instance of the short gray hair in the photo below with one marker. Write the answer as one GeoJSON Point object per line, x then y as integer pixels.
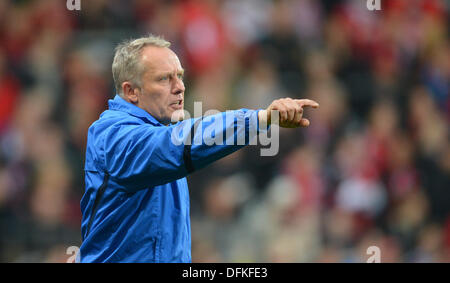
{"type": "Point", "coordinates": [126, 64]}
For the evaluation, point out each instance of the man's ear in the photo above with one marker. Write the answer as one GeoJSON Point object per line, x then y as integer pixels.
{"type": "Point", "coordinates": [130, 93]}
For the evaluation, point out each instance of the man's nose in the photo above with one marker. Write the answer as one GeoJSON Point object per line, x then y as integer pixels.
{"type": "Point", "coordinates": [178, 86]}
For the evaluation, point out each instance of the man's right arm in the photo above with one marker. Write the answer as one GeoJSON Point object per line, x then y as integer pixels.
{"type": "Point", "coordinates": [139, 156]}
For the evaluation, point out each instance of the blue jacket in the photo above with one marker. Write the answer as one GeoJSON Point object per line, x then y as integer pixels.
{"type": "Point", "coordinates": [136, 203]}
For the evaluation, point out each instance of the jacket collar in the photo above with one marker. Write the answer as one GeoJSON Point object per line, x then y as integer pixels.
{"type": "Point", "coordinates": [120, 104]}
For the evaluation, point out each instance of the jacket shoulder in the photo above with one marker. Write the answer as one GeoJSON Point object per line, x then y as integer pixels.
{"type": "Point", "coordinates": [95, 147]}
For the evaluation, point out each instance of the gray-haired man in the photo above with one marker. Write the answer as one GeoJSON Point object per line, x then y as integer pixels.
{"type": "Point", "coordinates": [136, 204]}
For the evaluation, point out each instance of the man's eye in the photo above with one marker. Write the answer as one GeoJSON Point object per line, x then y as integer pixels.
{"type": "Point", "coordinates": [164, 78]}
{"type": "Point", "coordinates": [180, 76]}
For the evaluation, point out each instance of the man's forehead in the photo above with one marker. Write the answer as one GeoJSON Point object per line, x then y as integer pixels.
{"type": "Point", "coordinates": [160, 57]}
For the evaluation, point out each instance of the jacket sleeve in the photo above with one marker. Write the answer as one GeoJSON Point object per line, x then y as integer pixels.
{"type": "Point", "coordinates": [139, 156]}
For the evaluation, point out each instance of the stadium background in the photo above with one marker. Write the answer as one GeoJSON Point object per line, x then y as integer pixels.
{"type": "Point", "coordinates": [372, 169]}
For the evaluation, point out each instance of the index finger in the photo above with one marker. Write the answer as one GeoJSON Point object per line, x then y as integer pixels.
{"type": "Point", "coordinates": [307, 102]}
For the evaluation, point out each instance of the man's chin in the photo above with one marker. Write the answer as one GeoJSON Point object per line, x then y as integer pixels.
{"type": "Point", "coordinates": [177, 115]}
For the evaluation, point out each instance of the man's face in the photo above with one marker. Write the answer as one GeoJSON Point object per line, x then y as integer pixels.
{"type": "Point", "coordinates": [162, 87]}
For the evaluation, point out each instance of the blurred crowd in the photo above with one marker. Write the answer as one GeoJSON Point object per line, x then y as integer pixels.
{"type": "Point", "coordinates": [373, 169]}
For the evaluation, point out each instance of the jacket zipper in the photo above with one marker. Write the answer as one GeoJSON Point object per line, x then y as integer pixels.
{"type": "Point", "coordinates": [98, 197]}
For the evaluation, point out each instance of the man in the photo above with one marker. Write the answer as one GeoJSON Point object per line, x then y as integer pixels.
{"type": "Point", "coordinates": [136, 204]}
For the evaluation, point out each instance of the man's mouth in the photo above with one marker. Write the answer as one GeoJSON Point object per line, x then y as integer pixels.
{"type": "Point", "coordinates": [178, 104]}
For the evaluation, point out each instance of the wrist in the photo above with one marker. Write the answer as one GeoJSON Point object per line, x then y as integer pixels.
{"type": "Point", "coordinates": [263, 118]}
